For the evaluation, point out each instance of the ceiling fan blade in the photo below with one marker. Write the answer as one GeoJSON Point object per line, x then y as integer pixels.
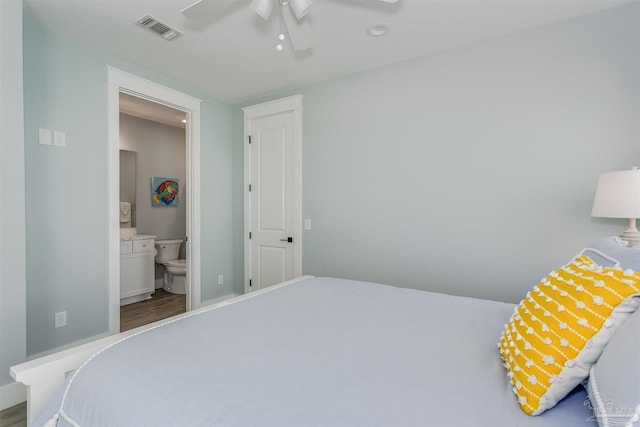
{"type": "Point", "coordinates": [300, 7]}
{"type": "Point", "coordinates": [262, 8]}
{"type": "Point", "coordinates": [299, 30]}
{"type": "Point", "coordinates": [205, 10]}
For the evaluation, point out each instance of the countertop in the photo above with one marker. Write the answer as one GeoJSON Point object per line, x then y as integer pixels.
{"type": "Point", "coordinates": [137, 237]}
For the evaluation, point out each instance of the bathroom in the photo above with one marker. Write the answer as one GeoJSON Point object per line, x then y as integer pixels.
{"type": "Point", "coordinates": [152, 151]}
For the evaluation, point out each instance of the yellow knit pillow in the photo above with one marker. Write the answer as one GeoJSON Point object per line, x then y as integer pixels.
{"type": "Point", "coordinates": [560, 329]}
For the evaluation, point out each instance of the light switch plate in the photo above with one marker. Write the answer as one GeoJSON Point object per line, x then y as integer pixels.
{"type": "Point", "coordinates": [44, 136]}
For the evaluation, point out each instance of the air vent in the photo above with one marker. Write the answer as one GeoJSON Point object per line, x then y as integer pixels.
{"type": "Point", "coordinates": [153, 24]}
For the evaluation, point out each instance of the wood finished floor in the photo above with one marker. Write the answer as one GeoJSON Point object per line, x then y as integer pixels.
{"type": "Point", "coordinates": [16, 416]}
{"type": "Point", "coordinates": [162, 304]}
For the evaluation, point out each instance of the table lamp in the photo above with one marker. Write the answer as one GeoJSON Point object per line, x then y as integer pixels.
{"type": "Point", "coordinates": [618, 196]}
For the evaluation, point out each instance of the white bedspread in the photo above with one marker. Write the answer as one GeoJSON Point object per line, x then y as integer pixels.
{"type": "Point", "coordinates": [320, 352]}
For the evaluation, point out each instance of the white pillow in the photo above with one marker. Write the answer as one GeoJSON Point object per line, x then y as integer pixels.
{"type": "Point", "coordinates": [614, 247]}
{"type": "Point", "coordinates": [614, 381]}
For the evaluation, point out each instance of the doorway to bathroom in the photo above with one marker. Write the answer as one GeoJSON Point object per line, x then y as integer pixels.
{"type": "Point", "coordinates": [135, 109]}
{"type": "Point", "coordinates": [153, 171]}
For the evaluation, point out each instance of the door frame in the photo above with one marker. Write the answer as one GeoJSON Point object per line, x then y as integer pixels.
{"type": "Point", "coordinates": [121, 81]}
{"type": "Point", "coordinates": [282, 105]}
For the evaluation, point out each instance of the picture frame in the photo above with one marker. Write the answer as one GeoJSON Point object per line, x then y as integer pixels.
{"type": "Point", "coordinates": [165, 191]}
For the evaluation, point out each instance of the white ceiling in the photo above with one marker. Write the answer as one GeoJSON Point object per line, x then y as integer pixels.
{"type": "Point", "coordinates": [234, 58]}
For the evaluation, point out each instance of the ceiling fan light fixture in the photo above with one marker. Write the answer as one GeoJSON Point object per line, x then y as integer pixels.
{"type": "Point", "coordinates": [378, 30]}
{"type": "Point", "coordinates": [300, 7]}
{"type": "Point", "coordinates": [262, 8]}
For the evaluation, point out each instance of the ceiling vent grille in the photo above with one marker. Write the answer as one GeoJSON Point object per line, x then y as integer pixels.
{"type": "Point", "coordinates": [163, 30]}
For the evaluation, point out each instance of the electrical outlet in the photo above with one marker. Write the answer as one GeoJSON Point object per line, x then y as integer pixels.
{"type": "Point", "coordinates": [61, 319]}
{"type": "Point", "coordinates": [220, 279]}
{"type": "Point", "coordinates": [59, 138]}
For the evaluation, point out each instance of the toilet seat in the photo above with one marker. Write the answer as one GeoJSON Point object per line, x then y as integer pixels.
{"type": "Point", "coordinates": [178, 263]}
{"type": "Point", "coordinates": [178, 266]}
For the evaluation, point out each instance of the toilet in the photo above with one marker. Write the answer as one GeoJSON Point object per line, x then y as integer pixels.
{"type": "Point", "coordinates": [175, 269]}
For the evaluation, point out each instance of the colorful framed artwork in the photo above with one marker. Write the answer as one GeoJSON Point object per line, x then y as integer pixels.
{"type": "Point", "coordinates": [164, 191]}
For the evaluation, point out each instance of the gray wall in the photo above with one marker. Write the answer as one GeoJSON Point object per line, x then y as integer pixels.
{"type": "Point", "coordinates": [216, 200]}
{"type": "Point", "coordinates": [66, 203]}
{"type": "Point", "coordinates": [160, 151]}
{"type": "Point", "coordinates": [471, 171]}
{"type": "Point", "coordinates": [12, 201]}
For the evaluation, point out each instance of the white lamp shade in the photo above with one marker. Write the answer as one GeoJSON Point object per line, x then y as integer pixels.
{"type": "Point", "coordinates": [618, 195]}
{"type": "Point", "coordinates": [262, 8]}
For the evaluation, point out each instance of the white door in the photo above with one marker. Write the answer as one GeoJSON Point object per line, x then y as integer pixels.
{"type": "Point", "coordinates": [274, 205]}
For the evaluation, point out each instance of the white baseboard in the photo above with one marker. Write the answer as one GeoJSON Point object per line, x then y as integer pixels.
{"type": "Point", "coordinates": [12, 394]}
{"type": "Point", "coordinates": [218, 299]}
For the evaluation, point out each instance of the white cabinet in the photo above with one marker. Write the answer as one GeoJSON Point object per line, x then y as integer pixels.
{"type": "Point", "coordinates": [126, 247]}
{"type": "Point", "coordinates": [137, 270]}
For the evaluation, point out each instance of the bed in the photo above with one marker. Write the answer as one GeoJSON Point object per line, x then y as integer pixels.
{"type": "Point", "coordinates": [312, 352]}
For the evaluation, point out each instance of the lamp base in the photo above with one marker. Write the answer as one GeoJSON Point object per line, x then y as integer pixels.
{"type": "Point", "coordinates": [632, 238]}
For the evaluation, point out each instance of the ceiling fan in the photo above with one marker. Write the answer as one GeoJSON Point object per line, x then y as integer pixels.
{"type": "Point", "coordinates": [293, 16]}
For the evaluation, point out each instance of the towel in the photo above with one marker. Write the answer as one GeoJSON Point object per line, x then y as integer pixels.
{"type": "Point", "coordinates": [125, 211]}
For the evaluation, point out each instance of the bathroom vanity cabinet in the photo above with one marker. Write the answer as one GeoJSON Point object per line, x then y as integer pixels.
{"type": "Point", "coordinates": [137, 269]}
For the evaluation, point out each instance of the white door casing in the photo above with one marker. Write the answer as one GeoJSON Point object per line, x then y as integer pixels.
{"type": "Point", "coordinates": [120, 81]}
{"type": "Point", "coordinates": [273, 202]}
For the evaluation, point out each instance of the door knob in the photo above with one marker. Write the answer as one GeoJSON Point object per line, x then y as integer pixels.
{"type": "Point", "coordinates": [288, 239]}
